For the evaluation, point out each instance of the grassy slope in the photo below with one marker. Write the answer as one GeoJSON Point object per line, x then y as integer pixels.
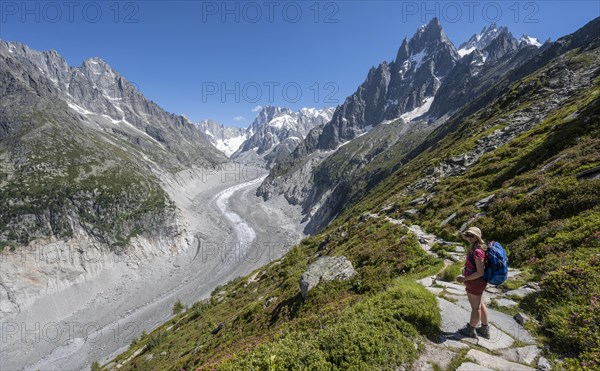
{"type": "Point", "coordinates": [551, 231]}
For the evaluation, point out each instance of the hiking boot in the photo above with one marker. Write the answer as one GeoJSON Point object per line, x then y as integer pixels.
{"type": "Point", "coordinates": [468, 331]}
{"type": "Point", "coordinates": [483, 331]}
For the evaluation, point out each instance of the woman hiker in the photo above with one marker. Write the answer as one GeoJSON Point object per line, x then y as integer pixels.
{"type": "Point", "coordinates": [472, 277]}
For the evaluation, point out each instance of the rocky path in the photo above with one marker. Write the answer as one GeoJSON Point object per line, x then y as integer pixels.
{"type": "Point", "coordinates": [510, 347]}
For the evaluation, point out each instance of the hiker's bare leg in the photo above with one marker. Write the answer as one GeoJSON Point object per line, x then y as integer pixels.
{"type": "Point", "coordinates": [475, 301]}
{"type": "Point", "coordinates": [483, 312]}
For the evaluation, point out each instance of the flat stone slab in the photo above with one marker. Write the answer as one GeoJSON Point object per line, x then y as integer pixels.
{"type": "Point", "coordinates": [492, 290]}
{"type": "Point", "coordinates": [498, 340]}
{"type": "Point", "coordinates": [505, 322]}
{"type": "Point", "coordinates": [494, 362]}
{"type": "Point", "coordinates": [501, 302]}
{"type": "Point", "coordinates": [453, 316]}
{"type": "Point", "coordinates": [470, 366]}
{"type": "Point", "coordinates": [452, 344]}
{"type": "Point", "coordinates": [513, 272]}
{"type": "Point", "coordinates": [453, 291]}
{"type": "Point", "coordinates": [435, 290]}
{"type": "Point", "coordinates": [521, 293]}
{"type": "Point", "coordinates": [427, 281]}
{"type": "Point", "coordinates": [463, 302]}
{"type": "Point", "coordinates": [450, 285]}
{"type": "Point", "coordinates": [525, 355]}
{"type": "Point", "coordinates": [433, 354]}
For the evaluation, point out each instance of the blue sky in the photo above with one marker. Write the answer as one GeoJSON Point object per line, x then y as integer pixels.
{"type": "Point", "coordinates": [219, 60]}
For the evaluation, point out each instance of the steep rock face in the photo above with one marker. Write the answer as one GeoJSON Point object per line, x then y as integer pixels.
{"type": "Point", "coordinates": [389, 91]}
{"type": "Point", "coordinates": [476, 71]}
{"type": "Point", "coordinates": [395, 88]}
{"type": "Point", "coordinates": [107, 101]}
{"type": "Point", "coordinates": [481, 40]}
{"type": "Point", "coordinates": [473, 82]}
{"type": "Point", "coordinates": [83, 154]}
{"type": "Point", "coordinates": [325, 269]}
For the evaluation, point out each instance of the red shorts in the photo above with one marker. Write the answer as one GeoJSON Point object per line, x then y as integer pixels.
{"type": "Point", "coordinates": [476, 287]}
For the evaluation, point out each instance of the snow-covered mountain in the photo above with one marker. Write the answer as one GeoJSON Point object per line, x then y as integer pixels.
{"type": "Point", "coordinates": [274, 133]}
{"type": "Point", "coordinates": [528, 40]}
{"type": "Point", "coordinates": [488, 34]}
{"type": "Point", "coordinates": [106, 102]}
{"type": "Point", "coordinates": [226, 139]}
{"type": "Point", "coordinates": [402, 100]}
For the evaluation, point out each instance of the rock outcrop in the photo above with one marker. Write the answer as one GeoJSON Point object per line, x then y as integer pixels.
{"type": "Point", "coordinates": [326, 268]}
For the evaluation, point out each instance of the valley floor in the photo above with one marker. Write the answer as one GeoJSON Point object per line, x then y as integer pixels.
{"type": "Point", "coordinates": [237, 232]}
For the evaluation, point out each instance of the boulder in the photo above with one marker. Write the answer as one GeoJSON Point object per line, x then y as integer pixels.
{"type": "Point", "coordinates": [427, 281]}
{"type": "Point", "coordinates": [326, 268]}
{"type": "Point", "coordinates": [448, 220]}
{"type": "Point", "coordinates": [520, 318]}
{"type": "Point", "coordinates": [544, 364]}
{"type": "Point", "coordinates": [481, 204]}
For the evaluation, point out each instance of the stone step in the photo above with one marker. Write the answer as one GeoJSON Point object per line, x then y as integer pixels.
{"type": "Point", "coordinates": [498, 340]}
{"type": "Point", "coordinates": [452, 285]}
{"type": "Point", "coordinates": [524, 355]}
{"type": "Point", "coordinates": [505, 322]}
{"type": "Point", "coordinates": [470, 366]}
{"type": "Point", "coordinates": [501, 302]}
{"type": "Point", "coordinates": [521, 292]}
{"type": "Point", "coordinates": [494, 362]}
{"type": "Point", "coordinates": [453, 316]}
{"type": "Point", "coordinates": [427, 281]}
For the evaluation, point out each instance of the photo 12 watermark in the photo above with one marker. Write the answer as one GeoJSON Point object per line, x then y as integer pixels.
{"type": "Point", "coordinates": [74, 252]}
{"type": "Point", "coordinates": [69, 11]}
{"type": "Point", "coordinates": [471, 11]}
{"type": "Point", "coordinates": [270, 11]}
{"type": "Point", "coordinates": [220, 252]}
{"type": "Point", "coordinates": [65, 332]}
{"type": "Point", "coordinates": [269, 92]}
{"type": "Point", "coordinates": [232, 172]}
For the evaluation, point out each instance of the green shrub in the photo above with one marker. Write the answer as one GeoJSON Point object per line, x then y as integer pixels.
{"type": "Point", "coordinates": [450, 272]}
{"type": "Point", "coordinates": [569, 302]}
{"type": "Point", "coordinates": [156, 339]}
{"type": "Point", "coordinates": [377, 332]}
{"type": "Point", "coordinates": [178, 307]}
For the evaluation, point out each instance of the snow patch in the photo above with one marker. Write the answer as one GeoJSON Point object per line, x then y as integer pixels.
{"type": "Point", "coordinates": [466, 51]}
{"type": "Point", "coordinates": [281, 121]}
{"type": "Point", "coordinates": [79, 109]}
{"type": "Point", "coordinates": [417, 59]}
{"type": "Point", "coordinates": [229, 146]}
{"type": "Point", "coordinates": [419, 111]}
{"type": "Point", "coordinates": [531, 41]}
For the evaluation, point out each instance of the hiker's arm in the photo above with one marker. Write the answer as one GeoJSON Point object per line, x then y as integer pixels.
{"type": "Point", "coordinates": [480, 268]}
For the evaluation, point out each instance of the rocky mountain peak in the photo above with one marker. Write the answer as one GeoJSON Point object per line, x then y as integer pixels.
{"type": "Point", "coordinates": [525, 40]}
{"type": "Point", "coordinates": [481, 40]}
{"type": "Point", "coordinates": [424, 41]}
{"type": "Point", "coordinates": [503, 44]}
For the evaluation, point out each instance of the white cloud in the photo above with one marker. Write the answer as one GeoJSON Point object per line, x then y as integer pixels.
{"type": "Point", "coordinates": [239, 118]}
{"type": "Point", "coordinates": [256, 109]}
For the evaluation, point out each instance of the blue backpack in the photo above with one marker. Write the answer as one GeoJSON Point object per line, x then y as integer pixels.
{"type": "Point", "coordinates": [496, 268]}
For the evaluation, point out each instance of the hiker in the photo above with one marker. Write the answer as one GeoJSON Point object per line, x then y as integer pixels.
{"type": "Point", "coordinates": [472, 277]}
